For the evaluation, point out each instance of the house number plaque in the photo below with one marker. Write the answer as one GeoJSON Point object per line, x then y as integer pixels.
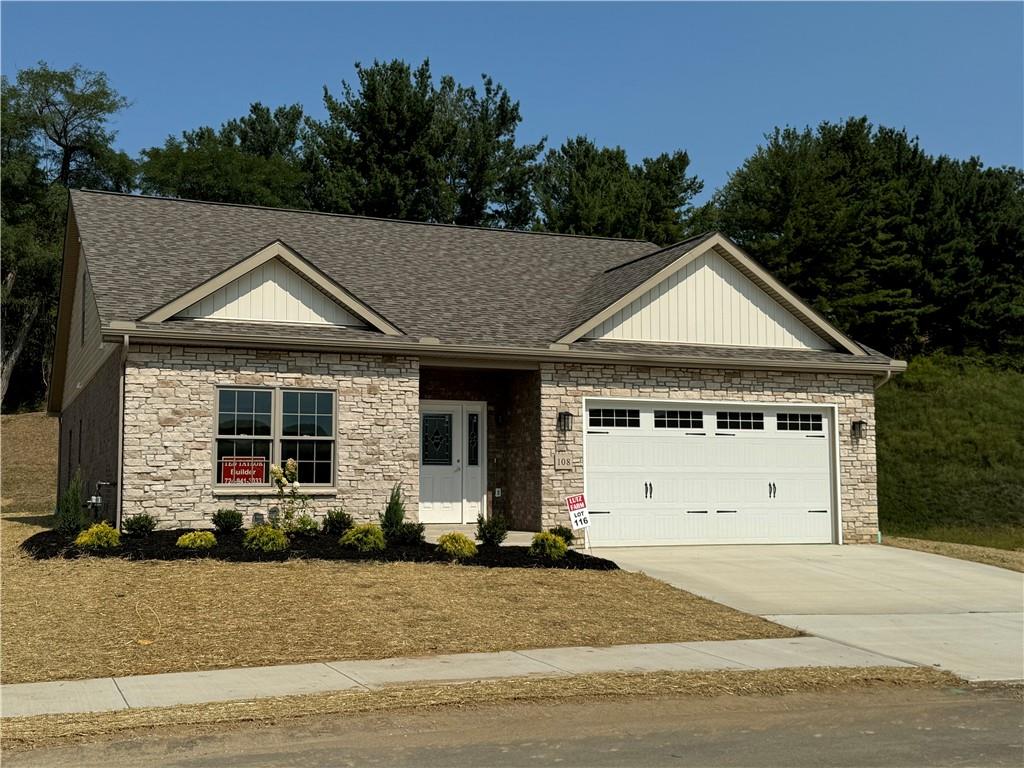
{"type": "Point", "coordinates": [563, 461]}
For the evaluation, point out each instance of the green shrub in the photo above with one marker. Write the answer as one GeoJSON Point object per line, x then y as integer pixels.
{"type": "Point", "coordinates": [366, 538]}
{"type": "Point", "coordinates": [337, 522]}
{"type": "Point", "coordinates": [71, 516]}
{"type": "Point", "coordinates": [303, 525]}
{"type": "Point", "coordinates": [99, 536]}
{"type": "Point", "coordinates": [457, 546]}
{"type": "Point", "coordinates": [548, 546]}
{"type": "Point", "coordinates": [265, 538]}
{"type": "Point", "coordinates": [227, 520]}
{"type": "Point", "coordinates": [565, 533]}
{"type": "Point", "coordinates": [138, 525]}
{"type": "Point", "coordinates": [196, 540]}
{"type": "Point", "coordinates": [491, 531]}
{"type": "Point", "coordinates": [393, 516]}
{"type": "Point", "coordinates": [407, 535]}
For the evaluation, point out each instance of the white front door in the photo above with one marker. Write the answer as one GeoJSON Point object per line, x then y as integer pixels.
{"type": "Point", "coordinates": [453, 461]}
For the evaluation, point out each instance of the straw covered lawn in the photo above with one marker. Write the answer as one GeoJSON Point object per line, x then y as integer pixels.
{"type": "Point", "coordinates": [66, 619]}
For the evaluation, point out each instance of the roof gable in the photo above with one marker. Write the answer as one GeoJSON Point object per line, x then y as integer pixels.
{"type": "Point", "coordinates": [644, 280]}
{"type": "Point", "coordinates": [708, 301]}
{"type": "Point", "coordinates": [274, 293]}
{"type": "Point", "coordinates": [275, 284]}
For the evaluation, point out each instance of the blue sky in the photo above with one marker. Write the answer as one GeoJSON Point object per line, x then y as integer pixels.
{"type": "Point", "coordinates": [708, 78]}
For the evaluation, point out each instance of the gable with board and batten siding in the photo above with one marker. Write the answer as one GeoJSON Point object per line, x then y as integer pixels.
{"type": "Point", "coordinates": [708, 301]}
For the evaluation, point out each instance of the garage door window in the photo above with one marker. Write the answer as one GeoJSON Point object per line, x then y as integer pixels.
{"type": "Point", "coordinates": [679, 420]}
{"type": "Point", "coordinates": [799, 422]}
{"type": "Point", "coordinates": [740, 420]}
{"type": "Point", "coordinates": [615, 417]}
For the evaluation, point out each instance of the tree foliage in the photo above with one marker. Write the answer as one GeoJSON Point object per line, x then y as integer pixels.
{"type": "Point", "coordinates": [907, 252]}
{"type": "Point", "coordinates": [584, 189]}
{"type": "Point", "coordinates": [255, 159]}
{"type": "Point", "coordinates": [53, 133]}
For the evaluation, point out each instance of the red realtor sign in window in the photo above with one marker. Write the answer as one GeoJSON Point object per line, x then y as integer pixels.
{"type": "Point", "coordinates": [243, 470]}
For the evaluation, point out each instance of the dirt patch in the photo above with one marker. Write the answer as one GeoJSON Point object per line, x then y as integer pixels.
{"type": "Point", "coordinates": [29, 732]}
{"type": "Point", "coordinates": [1002, 558]}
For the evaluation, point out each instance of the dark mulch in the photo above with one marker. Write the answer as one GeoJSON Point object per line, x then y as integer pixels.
{"type": "Point", "coordinates": [160, 545]}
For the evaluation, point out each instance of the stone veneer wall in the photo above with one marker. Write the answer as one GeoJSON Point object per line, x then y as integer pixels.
{"type": "Point", "coordinates": [88, 435]}
{"type": "Point", "coordinates": [169, 428]}
{"type": "Point", "coordinates": [564, 385]}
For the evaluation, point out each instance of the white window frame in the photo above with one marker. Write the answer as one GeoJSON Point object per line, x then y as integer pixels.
{"type": "Point", "coordinates": [276, 435]}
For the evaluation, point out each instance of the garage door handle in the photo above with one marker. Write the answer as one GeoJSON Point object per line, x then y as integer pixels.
{"type": "Point", "coordinates": [647, 490]}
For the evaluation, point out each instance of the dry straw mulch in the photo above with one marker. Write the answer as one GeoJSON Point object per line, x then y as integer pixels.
{"type": "Point", "coordinates": [68, 619]}
{"type": "Point", "coordinates": [30, 732]}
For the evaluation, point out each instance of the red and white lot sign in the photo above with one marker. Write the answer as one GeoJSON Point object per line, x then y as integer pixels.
{"type": "Point", "coordinates": [578, 515]}
{"type": "Point", "coordinates": [243, 470]}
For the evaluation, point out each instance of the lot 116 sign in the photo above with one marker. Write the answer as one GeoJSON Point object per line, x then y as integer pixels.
{"type": "Point", "coordinates": [578, 515]}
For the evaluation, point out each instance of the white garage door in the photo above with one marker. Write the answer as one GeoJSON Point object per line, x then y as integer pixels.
{"type": "Point", "coordinates": [693, 473]}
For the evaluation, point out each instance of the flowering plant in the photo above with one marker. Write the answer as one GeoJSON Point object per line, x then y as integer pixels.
{"type": "Point", "coordinates": [290, 503]}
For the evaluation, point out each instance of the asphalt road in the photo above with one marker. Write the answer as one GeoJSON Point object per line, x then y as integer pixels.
{"type": "Point", "coordinates": [885, 728]}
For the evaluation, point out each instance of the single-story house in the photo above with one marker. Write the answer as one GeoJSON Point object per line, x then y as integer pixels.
{"type": "Point", "coordinates": [691, 396]}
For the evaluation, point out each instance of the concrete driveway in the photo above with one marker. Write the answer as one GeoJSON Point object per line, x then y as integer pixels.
{"type": "Point", "coordinates": [913, 606]}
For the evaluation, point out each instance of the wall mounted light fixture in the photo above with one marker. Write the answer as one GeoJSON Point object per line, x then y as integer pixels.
{"type": "Point", "coordinates": [858, 429]}
{"type": "Point", "coordinates": [564, 421]}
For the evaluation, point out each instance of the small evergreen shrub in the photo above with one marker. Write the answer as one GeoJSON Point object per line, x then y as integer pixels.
{"type": "Point", "coordinates": [197, 540]}
{"type": "Point", "coordinates": [337, 522]}
{"type": "Point", "coordinates": [548, 546]}
{"type": "Point", "coordinates": [71, 516]}
{"type": "Point", "coordinates": [393, 516]}
{"type": "Point", "coordinates": [565, 533]}
{"type": "Point", "coordinates": [227, 520]}
{"type": "Point", "coordinates": [138, 525]}
{"type": "Point", "coordinates": [265, 538]}
{"type": "Point", "coordinates": [99, 536]}
{"type": "Point", "coordinates": [457, 546]}
{"type": "Point", "coordinates": [303, 525]}
{"type": "Point", "coordinates": [491, 531]}
{"type": "Point", "coordinates": [407, 535]}
{"type": "Point", "coordinates": [366, 538]}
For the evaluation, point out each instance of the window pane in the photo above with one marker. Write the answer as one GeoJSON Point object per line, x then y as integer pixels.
{"type": "Point", "coordinates": [226, 400]}
{"type": "Point", "coordinates": [261, 401]}
{"type": "Point", "coordinates": [307, 402]}
{"type": "Point", "coordinates": [290, 402]}
{"type": "Point", "coordinates": [290, 425]}
{"type": "Point", "coordinates": [261, 424]}
{"type": "Point", "coordinates": [226, 424]}
{"type": "Point", "coordinates": [323, 426]}
{"type": "Point", "coordinates": [243, 424]}
{"type": "Point", "coordinates": [323, 403]}
{"type": "Point", "coordinates": [245, 399]}
{"type": "Point", "coordinates": [436, 439]}
{"type": "Point", "coordinates": [323, 472]}
{"type": "Point", "coordinates": [474, 440]}
{"type": "Point", "coordinates": [307, 426]}
{"type": "Point", "coordinates": [243, 449]}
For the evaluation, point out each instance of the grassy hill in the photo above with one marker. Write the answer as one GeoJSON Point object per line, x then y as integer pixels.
{"type": "Point", "coordinates": [951, 454]}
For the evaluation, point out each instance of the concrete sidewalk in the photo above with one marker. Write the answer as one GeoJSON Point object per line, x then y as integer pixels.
{"type": "Point", "coordinates": [177, 688]}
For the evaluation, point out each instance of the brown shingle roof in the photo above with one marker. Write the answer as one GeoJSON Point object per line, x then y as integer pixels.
{"type": "Point", "coordinates": [459, 284]}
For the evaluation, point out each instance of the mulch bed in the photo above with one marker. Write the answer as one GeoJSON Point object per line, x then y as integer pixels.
{"type": "Point", "coordinates": [160, 545]}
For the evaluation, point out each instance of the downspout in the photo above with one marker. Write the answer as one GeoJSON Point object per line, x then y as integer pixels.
{"type": "Point", "coordinates": [883, 382]}
{"type": "Point", "coordinates": [120, 432]}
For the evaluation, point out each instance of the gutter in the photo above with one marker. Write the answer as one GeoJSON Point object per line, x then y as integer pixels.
{"type": "Point", "coordinates": [430, 346]}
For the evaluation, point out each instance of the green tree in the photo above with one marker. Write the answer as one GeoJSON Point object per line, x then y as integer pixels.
{"type": "Point", "coordinates": [255, 159]}
{"type": "Point", "coordinates": [399, 146]}
{"type": "Point", "coordinates": [907, 252]}
{"type": "Point", "coordinates": [584, 189]}
{"type": "Point", "coordinates": [53, 133]}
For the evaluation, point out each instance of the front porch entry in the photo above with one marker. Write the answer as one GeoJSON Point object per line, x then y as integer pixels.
{"type": "Point", "coordinates": [453, 461]}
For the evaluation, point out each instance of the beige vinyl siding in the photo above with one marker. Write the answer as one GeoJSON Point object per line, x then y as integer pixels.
{"type": "Point", "coordinates": [709, 301]}
{"type": "Point", "coordinates": [86, 349]}
{"type": "Point", "coordinates": [272, 292]}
